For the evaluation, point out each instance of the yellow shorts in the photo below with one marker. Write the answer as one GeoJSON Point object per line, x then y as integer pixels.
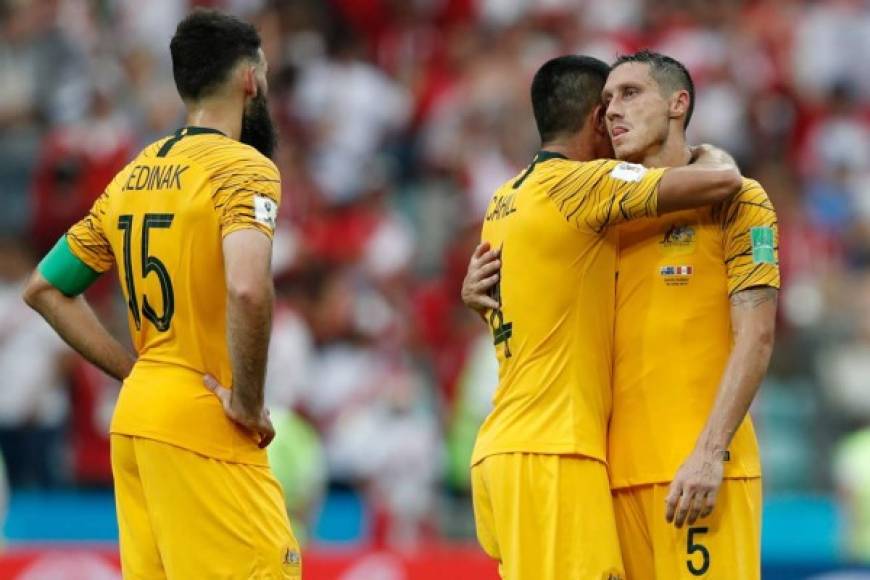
{"type": "Point", "coordinates": [726, 545]}
{"type": "Point", "coordinates": [182, 515]}
{"type": "Point", "coordinates": [546, 517]}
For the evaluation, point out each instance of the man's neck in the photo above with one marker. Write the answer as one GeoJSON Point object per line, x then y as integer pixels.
{"type": "Point", "coordinates": [216, 114]}
{"type": "Point", "coordinates": [674, 152]}
{"type": "Point", "coordinates": [575, 149]}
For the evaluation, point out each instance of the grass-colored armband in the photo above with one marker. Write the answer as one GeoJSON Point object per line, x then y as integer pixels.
{"type": "Point", "coordinates": [66, 271]}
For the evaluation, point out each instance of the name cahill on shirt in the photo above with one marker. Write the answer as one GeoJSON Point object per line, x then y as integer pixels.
{"type": "Point", "coordinates": [155, 177]}
{"type": "Point", "coordinates": [501, 207]}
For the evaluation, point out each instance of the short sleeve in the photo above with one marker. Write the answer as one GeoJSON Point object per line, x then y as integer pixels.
{"type": "Point", "coordinates": [751, 239]}
{"type": "Point", "coordinates": [247, 196]}
{"type": "Point", "coordinates": [602, 193]}
{"type": "Point", "coordinates": [87, 238]}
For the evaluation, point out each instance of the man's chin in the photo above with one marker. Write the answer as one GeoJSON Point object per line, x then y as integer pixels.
{"type": "Point", "coordinates": [625, 152]}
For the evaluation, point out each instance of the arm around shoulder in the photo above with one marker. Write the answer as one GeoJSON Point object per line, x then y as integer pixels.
{"type": "Point", "coordinates": [697, 186]}
{"type": "Point", "coordinates": [712, 177]}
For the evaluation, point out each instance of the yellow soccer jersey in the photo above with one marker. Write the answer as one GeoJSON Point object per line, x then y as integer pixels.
{"type": "Point", "coordinates": [554, 330]}
{"type": "Point", "coordinates": [673, 331]}
{"type": "Point", "coordinates": [162, 220]}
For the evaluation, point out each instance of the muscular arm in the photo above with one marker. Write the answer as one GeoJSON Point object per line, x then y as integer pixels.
{"type": "Point", "coordinates": [247, 256]}
{"type": "Point", "coordinates": [695, 487]}
{"type": "Point", "coordinates": [713, 177]}
{"type": "Point", "coordinates": [753, 319]}
{"type": "Point", "coordinates": [75, 322]}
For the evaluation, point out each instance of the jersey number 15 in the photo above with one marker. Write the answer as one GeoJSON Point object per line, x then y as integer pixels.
{"type": "Point", "coordinates": [149, 264]}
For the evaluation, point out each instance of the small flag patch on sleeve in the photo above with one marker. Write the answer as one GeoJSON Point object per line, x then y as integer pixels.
{"type": "Point", "coordinates": [762, 245]}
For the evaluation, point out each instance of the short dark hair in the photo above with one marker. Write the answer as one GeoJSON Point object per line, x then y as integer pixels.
{"type": "Point", "coordinates": [565, 90]}
{"type": "Point", "coordinates": [206, 46]}
{"type": "Point", "coordinates": [669, 73]}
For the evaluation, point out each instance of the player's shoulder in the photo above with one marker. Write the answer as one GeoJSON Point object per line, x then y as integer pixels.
{"type": "Point", "coordinates": [241, 158]}
{"type": "Point", "coordinates": [221, 151]}
{"type": "Point", "coordinates": [571, 165]}
{"type": "Point", "coordinates": [555, 173]}
{"type": "Point", "coordinates": [752, 192]}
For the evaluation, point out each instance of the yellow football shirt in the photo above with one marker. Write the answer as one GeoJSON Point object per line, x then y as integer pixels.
{"type": "Point", "coordinates": [673, 331]}
{"type": "Point", "coordinates": [162, 220]}
{"type": "Point", "coordinates": [554, 330]}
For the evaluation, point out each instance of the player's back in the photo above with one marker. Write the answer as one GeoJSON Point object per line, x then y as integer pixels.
{"type": "Point", "coordinates": [673, 330]}
{"type": "Point", "coordinates": [553, 332]}
{"type": "Point", "coordinates": [164, 217]}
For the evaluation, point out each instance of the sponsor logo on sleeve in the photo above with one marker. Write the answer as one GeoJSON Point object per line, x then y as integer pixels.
{"type": "Point", "coordinates": [265, 211]}
{"type": "Point", "coordinates": [628, 172]}
{"type": "Point", "coordinates": [292, 558]}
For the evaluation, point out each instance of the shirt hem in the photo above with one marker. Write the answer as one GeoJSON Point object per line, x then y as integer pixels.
{"type": "Point", "coordinates": [627, 483]}
{"type": "Point", "coordinates": [225, 457]}
{"type": "Point", "coordinates": [479, 456]}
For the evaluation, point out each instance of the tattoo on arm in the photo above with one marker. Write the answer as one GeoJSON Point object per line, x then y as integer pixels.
{"type": "Point", "coordinates": [755, 297]}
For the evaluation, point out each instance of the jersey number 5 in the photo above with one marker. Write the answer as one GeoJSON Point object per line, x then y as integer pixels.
{"type": "Point", "coordinates": [694, 547]}
{"type": "Point", "coordinates": [149, 264]}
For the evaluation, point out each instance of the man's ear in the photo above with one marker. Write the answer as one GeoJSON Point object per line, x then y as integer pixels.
{"type": "Point", "coordinates": [599, 118]}
{"type": "Point", "coordinates": [679, 105]}
{"type": "Point", "coordinates": [249, 81]}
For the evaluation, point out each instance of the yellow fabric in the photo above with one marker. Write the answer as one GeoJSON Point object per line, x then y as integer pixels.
{"type": "Point", "coordinates": [554, 332]}
{"type": "Point", "coordinates": [224, 186]}
{"type": "Point", "coordinates": [655, 550]}
{"type": "Point", "coordinates": [182, 515]}
{"type": "Point", "coordinates": [673, 333]}
{"type": "Point", "coordinates": [546, 517]}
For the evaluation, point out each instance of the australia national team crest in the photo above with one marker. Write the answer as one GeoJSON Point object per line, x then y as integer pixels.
{"type": "Point", "coordinates": [678, 240]}
{"type": "Point", "coordinates": [676, 275]}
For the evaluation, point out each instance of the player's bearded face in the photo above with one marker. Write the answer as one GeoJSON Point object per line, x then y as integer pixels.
{"type": "Point", "coordinates": [637, 112]}
{"type": "Point", "coordinates": [258, 130]}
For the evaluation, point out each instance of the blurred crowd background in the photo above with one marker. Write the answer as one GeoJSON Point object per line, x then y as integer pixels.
{"type": "Point", "coordinates": [398, 118]}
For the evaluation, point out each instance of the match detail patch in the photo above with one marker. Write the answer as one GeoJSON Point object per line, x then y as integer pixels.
{"type": "Point", "coordinates": [265, 211]}
{"type": "Point", "coordinates": [762, 245]}
{"type": "Point", "coordinates": [677, 275]}
{"type": "Point", "coordinates": [628, 172]}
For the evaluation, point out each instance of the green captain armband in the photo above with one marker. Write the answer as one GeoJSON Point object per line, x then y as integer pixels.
{"type": "Point", "coordinates": [66, 271]}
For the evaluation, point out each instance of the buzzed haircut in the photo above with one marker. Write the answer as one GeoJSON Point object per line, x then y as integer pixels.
{"type": "Point", "coordinates": [670, 74]}
{"type": "Point", "coordinates": [565, 90]}
{"type": "Point", "coordinates": [206, 46]}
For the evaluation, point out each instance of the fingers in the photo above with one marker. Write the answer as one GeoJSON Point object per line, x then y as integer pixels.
{"type": "Point", "coordinates": [671, 501]}
{"type": "Point", "coordinates": [480, 250]}
{"type": "Point", "coordinates": [482, 259]}
{"type": "Point", "coordinates": [694, 502]}
{"type": "Point", "coordinates": [709, 503]}
{"type": "Point", "coordinates": [488, 268]}
{"type": "Point", "coordinates": [215, 387]}
{"type": "Point", "coordinates": [223, 394]}
{"type": "Point", "coordinates": [266, 430]}
{"type": "Point", "coordinates": [695, 508]}
{"type": "Point", "coordinates": [484, 302]}
{"type": "Point", "coordinates": [678, 504]}
{"type": "Point", "coordinates": [211, 383]}
{"type": "Point", "coordinates": [683, 507]}
{"type": "Point", "coordinates": [483, 274]}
